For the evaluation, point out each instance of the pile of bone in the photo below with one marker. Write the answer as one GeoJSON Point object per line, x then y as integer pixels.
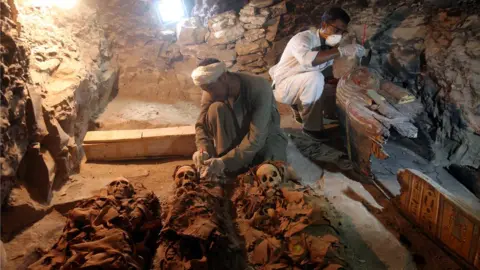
{"type": "Point", "coordinates": [284, 224]}
{"type": "Point", "coordinates": [116, 230]}
{"type": "Point", "coordinates": [198, 231]}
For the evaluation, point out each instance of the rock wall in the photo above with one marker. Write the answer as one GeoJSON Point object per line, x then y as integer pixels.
{"type": "Point", "coordinates": [70, 76]}
{"type": "Point", "coordinates": [149, 59]}
{"type": "Point", "coordinates": [435, 54]}
{"type": "Point", "coordinates": [14, 97]}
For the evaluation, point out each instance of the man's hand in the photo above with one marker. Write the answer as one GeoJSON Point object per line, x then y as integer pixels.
{"type": "Point", "coordinates": [351, 50]}
{"type": "Point", "coordinates": [199, 157]}
{"type": "Point", "coordinates": [214, 167]}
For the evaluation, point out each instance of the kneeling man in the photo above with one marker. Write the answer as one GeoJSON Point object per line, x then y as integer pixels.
{"type": "Point", "coordinates": [298, 77]}
{"type": "Point", "coordinates": [239, 124]}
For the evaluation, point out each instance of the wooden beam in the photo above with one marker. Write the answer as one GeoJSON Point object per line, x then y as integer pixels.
{"type": "Point", "coordinates": [140, 143]}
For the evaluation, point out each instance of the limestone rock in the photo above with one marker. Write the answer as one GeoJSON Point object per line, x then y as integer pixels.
{"type": "Point", "coordinates": [226, 36]}
{"type": "Point", "coordinates": [250, 26]}
{"type": "Point", "coordinates": [223, 20]}
{"type": "Point", "coordinates": [171, 52]}
{"type": "Point", "coordinates": [254, 34]}
{"type": "Point", "coordinates": [204, 51]}
{"type": "Point", "coordinates": [244, 47]}
{"type": "Point", "coordinates": [256, 20]}
{"type": "Point", "coordinates": [265, 12]}
{"type": "Point", "coordinates": [248, 11]}
{"type": "Point", "coordinates": [14, 74]}
{"type": "Point", "coordinates": [257, 64]}
{"type": "Point", "coordinates": [278, 9]}
{"type": "Point", "coordinates": [190, 32]}
{"type": "Point", "coordinates": [272, 29]}
{"type": "Point", "coordinates": [40, 174]}
{"type": "Point", "coordinates": [260, 3]}
{"type": "Point", "coordinates": [245, 59]}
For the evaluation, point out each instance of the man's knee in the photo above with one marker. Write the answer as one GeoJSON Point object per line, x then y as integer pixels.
{"type": "Point", "coordinates": [216, 109]}
{"type": "Point", "coordinates": [318, 80]}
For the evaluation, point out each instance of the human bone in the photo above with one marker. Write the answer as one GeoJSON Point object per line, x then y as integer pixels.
{"type": "Point", "coordinates": [268, 176]}
{"type": "Point", "coordinates": [185, 175]}
{"type": "Point", "coordinates": [120, 188]}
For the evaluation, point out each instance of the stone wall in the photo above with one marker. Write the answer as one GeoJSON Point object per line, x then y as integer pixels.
{"type": "Point", "coordinates": [70, 76]}
{"type": "Point", "coordinates": [240, 40]}
{"type": "Point", "coordinates": [14, 97]}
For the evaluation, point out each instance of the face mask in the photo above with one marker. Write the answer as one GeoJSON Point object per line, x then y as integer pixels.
{"type": "Point", "coordinates": [333, 40]}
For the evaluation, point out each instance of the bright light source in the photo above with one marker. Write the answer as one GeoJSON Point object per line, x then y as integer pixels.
{"type": "Point", "coordinates": [63, 4]}
{"type": "Point", "coordinates": [171, 10]}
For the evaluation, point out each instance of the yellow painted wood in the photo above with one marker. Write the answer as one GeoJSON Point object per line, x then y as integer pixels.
{"type": "Point", "coordinates": [160, 142]}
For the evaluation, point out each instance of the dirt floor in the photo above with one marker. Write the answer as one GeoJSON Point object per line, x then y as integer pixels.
{"type": "Point", "coordinates": [377, 237]}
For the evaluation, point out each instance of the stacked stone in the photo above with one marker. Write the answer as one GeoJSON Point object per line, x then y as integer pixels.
{"type": "Point", "coordinates": [216, 41]}
{"type": "Point", "coordinates": [260, 20]}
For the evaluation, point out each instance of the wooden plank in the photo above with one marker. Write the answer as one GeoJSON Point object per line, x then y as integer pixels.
{"type": "Point", "coordinates": [440, 214]}
{"type": "Point", "coordinates": [170, 131]}
{"type": "Point", "coordinates": [162, 142]}
{"type": "Point", "coordinates": [112, 136]}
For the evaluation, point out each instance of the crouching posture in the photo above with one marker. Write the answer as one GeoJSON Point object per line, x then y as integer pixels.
{"type": "Point", "coordinates": [298, 77]}
{"type": "Point", "coordinates": [239, 124]}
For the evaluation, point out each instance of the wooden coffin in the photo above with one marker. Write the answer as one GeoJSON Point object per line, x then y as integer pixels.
{"type": "Point", "coordinates": [139, 143]}
{"type": "Point", "coordinates": [444, 217]}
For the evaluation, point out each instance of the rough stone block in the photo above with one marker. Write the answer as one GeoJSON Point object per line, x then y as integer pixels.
{"type": "Point", "coordinates": [35, 121]}
{"type": "Point", "coordinates": [258, 19]}
{"type": "Point", "coordinates": [249, 26]}
{"type": "Point", "coordinates": [244, 47]}
{"type": "Point", "coordinates": [39, 173]}
{"type": "Point", "coordinates": [278, 9]}
{"type": "Point", "coordinates": [226, 36]}
{"type": "Point", "coordinates": [272, 28]}
{"type": "Point", "coordinates": [204, 51]}
{"type": "Point", "coordinates": [245, 59]}
{"type": "Point", "coordinates": [254, 34]}
{"type": "Point", "coordinates": [260, 3]}
{"type": "Point", "coordinates": [248, 11]}
{"type": "Point", "coordinates": [190, 32]}
{"type": "Point", "coordinates": [265, 12]}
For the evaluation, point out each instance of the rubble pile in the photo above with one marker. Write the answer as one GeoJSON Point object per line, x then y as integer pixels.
{"type": "Point", "coordinates": [199, 232]}
{"type": "Point", "coordinates": [284, 224]}
{"type": "Point", "coordinates": [116, 230]}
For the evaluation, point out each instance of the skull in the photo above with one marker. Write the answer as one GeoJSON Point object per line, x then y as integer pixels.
{"type": "Point", "coordinates": [185, 175]}
{"type": "Point", "coordinates": [120, 188]}
{"type": "Point", "coordinates": [269, 176]}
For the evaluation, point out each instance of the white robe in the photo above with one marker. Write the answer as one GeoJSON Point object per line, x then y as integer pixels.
{"type": "Point", "coordinates": [296, 80]}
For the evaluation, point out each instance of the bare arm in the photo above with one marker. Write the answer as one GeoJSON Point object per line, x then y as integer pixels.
{"type": "Point", "coordinates": [324, 56]}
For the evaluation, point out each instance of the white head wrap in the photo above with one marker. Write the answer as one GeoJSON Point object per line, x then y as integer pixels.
{"type": "Point", "coordinates": [208, 74]}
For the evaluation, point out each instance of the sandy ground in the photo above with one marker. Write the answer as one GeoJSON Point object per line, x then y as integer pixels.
{"type": "Point", "coordinates": [377, 237]}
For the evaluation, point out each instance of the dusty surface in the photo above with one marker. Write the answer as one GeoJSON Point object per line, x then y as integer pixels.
{"type": "Point", "coordinates": [125, 113]}
{"type": "Point", "coordinates": [375, 235]}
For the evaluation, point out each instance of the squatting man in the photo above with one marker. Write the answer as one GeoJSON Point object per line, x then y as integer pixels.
{"type": "Point", "coordinates": [298, 77]}
{"type": "Point", "coordinates": [239, 124]}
